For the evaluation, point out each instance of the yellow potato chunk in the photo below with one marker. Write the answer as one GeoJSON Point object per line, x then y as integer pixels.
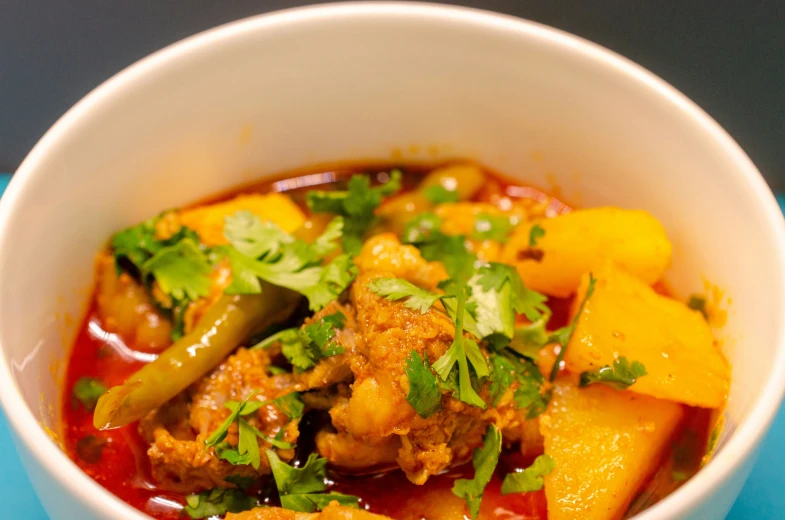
{"type": "Point", "coordinates": [605, 444]}
{"type": "Point", "coordinates": [573, 243]}
{"type": "Point", "coordinates": [208, 221]}
{"type": "Point", "coordinates": [626, 317]}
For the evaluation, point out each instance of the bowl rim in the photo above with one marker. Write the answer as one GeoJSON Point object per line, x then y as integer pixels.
{"type": "Point", "coordinates": [727, 461]}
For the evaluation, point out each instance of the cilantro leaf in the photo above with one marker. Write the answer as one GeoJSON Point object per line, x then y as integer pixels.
{"type": "Point", "coordinates": [463, 352]}
{"type": "Point", "coordinates": [87, 390]}
{"type": "Point", "coordinates": [423, 231]}
{"type": "Point", "coordinates": [529, 339]}
{"type": "Point", "coordinates": [563, 335]}
{"type": "Point", "coordinates": [530, 479]}
{"type": "Point", "coordinates": [438, 194]}
{"type": "Point", "coordinates": [622, 376]}
{"type": "Point", "coordinates": [237, 408]}
{"type": "Point", "coordinates": [305, 347]}
{"type": "Point", "coordinates": [535, 233]}
{"type": "Point", "coordinates": [181, 270]}
{"type": "Point", "coordinates": [217, 502]}
{"type": "Point", "coordinates": [397, 288]}
{"type": "Point", "coordinates": [698, 303]}
{"type": "Point", "coordinates": [424, 394]}
{"type": "Point", "coordinates": [301, 489]}
{"type": "Point", "coordinates": [484, 461]}
{"type": "Point", "coordinates": [492, 227]}
{"type": "Point", "coordinates": [241, 482]}
{"type": "Point", "coordinates": [497, 293]}
{"type": "Point", "coordinates": [252, 237]}
{"type": "Point", "coordinates": [523, 300]}
{"type": "Point", "coordinates": [285, 261]}
{"type": "Point", "coordinates": [528, 395]}
{"type": "Point", "coordinates": [357, 205]}
{"type": "Point", "coordinates": [422, 228]}
{"type": "Point", "coordinates": [291, 405]}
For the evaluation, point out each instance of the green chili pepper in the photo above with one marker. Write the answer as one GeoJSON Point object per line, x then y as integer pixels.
{"type": "Point", "coordinates": [229, 322]}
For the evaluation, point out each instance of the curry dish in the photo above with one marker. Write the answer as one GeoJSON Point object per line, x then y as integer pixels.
{"type": "Point", "coordinates": [415, 343]}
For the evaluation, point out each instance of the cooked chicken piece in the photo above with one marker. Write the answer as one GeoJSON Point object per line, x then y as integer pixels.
{"type": "Point", "coordinates": [384, 252]}
{"type": "Point", "coordinates": [377, 410]}
{"type": "Point", "coordinates": [178, 457]}
{"type": "Point", "coordinates": [349, 454]}
{"type": "Point", "coordinates": [125, 308]}
{"type": "Point", "coordinates": [332, 512]}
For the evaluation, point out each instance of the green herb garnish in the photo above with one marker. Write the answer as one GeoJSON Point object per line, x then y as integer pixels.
{"type": "Point", "coordinates": [424, 394]}
{"type": "Point", "coordinates": [535, 233]}
{"type": "Point", "coordinates": [302, 489]}
{"type": "Point", "coordinates": [484, 461]}
{"type": "Point", "coordinates": [87, 390]}
{"type": "Point", "coordinates": [438, 194]}
{"type": "Point", "coordinates": [622, 376]}
{"type": "Point", "coordinates": [218, 502]}
{"type": "Point", "coordinates": [492, 227]}
{"type": "Point", "coordinates": [464, 353]}
{"type": "Point", "coordinates": [357, 205]}
{"type": "Point", "coordinates": [530, 479]}
{"type": "Point", "coordinates": [306, 346]}
{"type": "Point", "coordinates": [397, 288]}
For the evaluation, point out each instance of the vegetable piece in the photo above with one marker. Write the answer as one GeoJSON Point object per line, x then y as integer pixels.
{"type": "Point", "coordinates": [223, 327]}
{"type": "Point", "coordinates": [217, 502]}
{"type": "Point", "coordinates": [622, 376]}
{"type": "Point", "coordinates": [573, 243]}
{"type": "Point", "coordinates": [282, 260]}
{"type": "Point", "coordinates": [463, 352]}
{"type": "Point", "coordinates": [357, 205]}
{"type": "Point", "coordinates": [627, 318]}
{"type": "Point", "coordinates": [605, 443]}
{"type": "Point", "coordinates": [484, 461]}
{"type": "Point", "coordinates": [208, 221]}
{"type": "Point", "coordinates": [398, 288]}
{"type": "Point", "coordinates": [87, 390]}
{"type": "Point", "coordinates": [302, 489]}
{"type": "Point", "coordinates": [464, 179]}
{"type": "Point", "coordinates": [424, 394]}
{"type": "Point", "coordinates": [530, 479]}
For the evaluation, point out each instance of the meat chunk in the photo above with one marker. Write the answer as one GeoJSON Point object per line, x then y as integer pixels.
{"type": "Point", "coordinates": [178, 458]}
{"type": "Point", "coordinates": [332, 512]}
{"type": "Point", "coordinates": [125, 308]}
{"type": "Point", "coordinates": [377, 411]}
{"type": "Point", "coordinates": [384, 252]}
{"type": "Point", "coordinates": [349, 454]}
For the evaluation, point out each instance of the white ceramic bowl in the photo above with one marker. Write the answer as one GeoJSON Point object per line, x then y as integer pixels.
{"type": "Point", "coordinates": [383, 82]}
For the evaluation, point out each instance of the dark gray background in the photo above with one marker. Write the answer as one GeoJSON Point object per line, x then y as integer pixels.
{"type": "Point", "coordinates": [727, 56]}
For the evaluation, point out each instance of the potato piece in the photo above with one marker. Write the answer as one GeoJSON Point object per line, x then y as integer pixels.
{"type": "Point", "coordinates": [208, 221]}
{"type": "Point", "coordinates": [605, 444]}
{"type": "Point", "coordinates": [626, 317]}
{"type": "Point", "coordinates": [466, 179]}
{"type": "Point", "coordinates": [573, 244]}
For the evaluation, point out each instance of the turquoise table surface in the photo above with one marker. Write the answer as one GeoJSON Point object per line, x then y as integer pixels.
{"type": "Point", "coordinates": [762, 498]}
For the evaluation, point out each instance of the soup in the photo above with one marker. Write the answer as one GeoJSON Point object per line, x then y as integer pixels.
{"type": "Point", "coordinates": [408, 343]}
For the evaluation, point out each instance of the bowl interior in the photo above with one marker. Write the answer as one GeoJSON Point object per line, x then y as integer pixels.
{"type": "Point", "coordinates": [406, 84]}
